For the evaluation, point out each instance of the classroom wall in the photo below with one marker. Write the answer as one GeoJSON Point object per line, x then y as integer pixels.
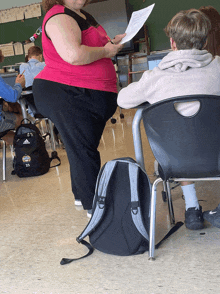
{"type": "Point", "coordinates": [162, 14]}
{"type": "Point", "coordinates": [163, 11]}
{"type": "Point", "coordinates": [19, 31]}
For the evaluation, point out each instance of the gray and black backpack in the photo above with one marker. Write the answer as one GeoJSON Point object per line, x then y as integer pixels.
{"type": "Point", "coordinates": [121, 211]}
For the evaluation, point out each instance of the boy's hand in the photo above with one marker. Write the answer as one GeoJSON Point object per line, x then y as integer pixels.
{"type": "Point", "coordinates": [21, 80]}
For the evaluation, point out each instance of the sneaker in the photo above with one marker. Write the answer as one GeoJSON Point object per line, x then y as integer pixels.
{"type": "Point", "coordinates": [89, 213]}
{"type": "Point", "coordinates": [78, 202]}
{"type": "Point", "coordinates": [213, 216]}
{"type": "Point", "coordinates": [194, 218]}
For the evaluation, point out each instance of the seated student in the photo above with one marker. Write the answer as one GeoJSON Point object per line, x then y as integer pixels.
{"type": "Point", "coordinates": [9, 117]}
{"type": "Point", "coordinates": [186, 70]}
{"type": "Point", "coordinates": [33, 66]}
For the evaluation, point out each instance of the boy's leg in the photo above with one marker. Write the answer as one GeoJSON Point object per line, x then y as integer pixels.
{"type": "Point", "coordinates": [193, 213]}
{"type": "Point", "coordinates": [10, 121]}
{"type": "Point", "coordinates": [189, 193]}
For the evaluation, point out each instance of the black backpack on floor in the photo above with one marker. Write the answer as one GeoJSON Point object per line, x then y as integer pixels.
{"type": "Point", "coordinates": [31, 157]}
{"type": "Point", "coordinates": [121, 211]}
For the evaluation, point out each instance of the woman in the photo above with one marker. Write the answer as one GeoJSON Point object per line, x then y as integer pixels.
{"type": "Point", "coordinates": [10, 112]}
{"type": "Point", "coordinates": [213, 40]}
{"type": "Point", "coordinates": [77, 88]}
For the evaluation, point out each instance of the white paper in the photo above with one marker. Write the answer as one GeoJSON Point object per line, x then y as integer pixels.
{"type": "Point", "coordinates": [18, 48]}
{"type": "Point", "coordinates": [33, 10]}
{"type": "Point", "coordinates": [20, 13]}
{"type": "Point", "coordinates": [27, 46]}
{"type": "Point", "coordinates": [8, 15]}
{"type": "Point", "coordinates": [7, 49]}
{"type": "Point", "coordinates": [136, 22]}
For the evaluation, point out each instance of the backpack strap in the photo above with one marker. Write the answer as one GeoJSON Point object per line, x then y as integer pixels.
{"type": "Point", "coordinates": [69, 260]}
{"type": "Point", "coordinates": [54, 155]}
{"type": "Point", "coordinates": [135, 204]}
{"type": "Point", "coordinates": [101, 189]}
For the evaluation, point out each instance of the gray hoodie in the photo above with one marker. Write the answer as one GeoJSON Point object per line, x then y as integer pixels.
{"type": "Point", "coordinates": [181, 72]}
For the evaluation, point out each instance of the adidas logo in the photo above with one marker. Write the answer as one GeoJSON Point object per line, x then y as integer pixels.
{"type": "Point", "coordinates": [26, 142]}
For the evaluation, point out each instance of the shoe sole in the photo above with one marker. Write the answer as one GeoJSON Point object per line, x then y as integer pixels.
{"type": "Point", "coordinates": [194, 226]}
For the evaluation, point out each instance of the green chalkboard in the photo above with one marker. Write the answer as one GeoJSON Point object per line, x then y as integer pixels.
{"type": "Point", "coordinates": [19, 31]}
{"type": "Point", "coordinates": [162, 14]}
{"type": "Point", "coordinates": [163, 11]}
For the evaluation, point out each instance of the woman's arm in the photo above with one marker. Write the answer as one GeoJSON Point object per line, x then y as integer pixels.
{"type": "Point", "coordinates": [65, 35]}
{"type": "Point", "coordinates": [11, 94]}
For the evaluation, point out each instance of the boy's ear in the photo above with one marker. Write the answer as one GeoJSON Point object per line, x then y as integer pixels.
{"type": "Point", "coordinates": [206, 42]}
{"type": "Point", "coordinates": [173, 44]}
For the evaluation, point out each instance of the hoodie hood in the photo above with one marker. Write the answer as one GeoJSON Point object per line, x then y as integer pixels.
{"type": "Point", "coordinates": [182, 60]}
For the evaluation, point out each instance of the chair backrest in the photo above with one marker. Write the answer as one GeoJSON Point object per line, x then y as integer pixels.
{"type": "Point", "coordinates": [185, 146]}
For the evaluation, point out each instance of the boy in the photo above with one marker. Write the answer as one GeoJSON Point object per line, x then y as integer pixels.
{"type": "Point", "coordinates": [9, 120]}
{"type": "Point", "coordinates": [187, 70]}
{"type": "Point", "coordinates": [33, 66]}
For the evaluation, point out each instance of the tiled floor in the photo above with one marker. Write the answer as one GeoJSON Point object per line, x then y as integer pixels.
{"type": "Point", "coordinates": [39, 225]}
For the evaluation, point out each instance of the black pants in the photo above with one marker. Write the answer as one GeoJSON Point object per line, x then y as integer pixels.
{"type": "Point", "coordinates": [80, 116]}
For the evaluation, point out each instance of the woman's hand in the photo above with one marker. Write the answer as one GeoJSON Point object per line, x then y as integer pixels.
{"type": "Point", "coordinates": [113, 47]}
{"type": "Point", "coordinates": [117, 39]}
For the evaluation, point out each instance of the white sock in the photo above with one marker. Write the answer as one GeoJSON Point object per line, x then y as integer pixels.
{"type": "Point", "coordinates": [189, 193]}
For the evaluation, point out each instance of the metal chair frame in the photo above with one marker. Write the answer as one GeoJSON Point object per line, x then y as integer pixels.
{"type": "Point", "coordinates": [140, 159]}
{"type": "Point", "coordinates": [22, 101]}
{"type": "Point", "coordinates": [3, 160]}
{"type": "Point", "coordinates": [4, 156]}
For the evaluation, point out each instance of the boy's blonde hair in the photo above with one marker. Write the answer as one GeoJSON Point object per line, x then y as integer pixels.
{"type": "Point", "coordinates": [189, 29]}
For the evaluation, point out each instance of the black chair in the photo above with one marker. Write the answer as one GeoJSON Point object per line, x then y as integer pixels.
{"type": "Point", "coordinates": [186, 148]}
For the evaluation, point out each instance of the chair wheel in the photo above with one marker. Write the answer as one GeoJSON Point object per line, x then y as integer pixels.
{"type": "Point", "coordinates": [122, 115]}
{"type": "Point", "coordinates": [164, 196]}
{"type": "Point", "coordinates": [113, 120]}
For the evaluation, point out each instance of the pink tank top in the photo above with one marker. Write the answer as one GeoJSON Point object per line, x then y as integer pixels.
{"type": "Point", "coordinates": [98, 75]}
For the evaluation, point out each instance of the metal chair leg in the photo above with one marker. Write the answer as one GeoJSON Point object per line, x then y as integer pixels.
{"type": "Point", "coordinates": [53, 145]}
{"type": "Point", "coordinates": [4, 160]}
{"type": "Point", "coordinates": [23, 109]}
{"type": "Point", "coordinates": [137, 138]}
{"type": "Point", "coordinates": [170, 204]}
{"type": "Point", "coordinates": [153, 218]}
{"type": "Point", "coordinates": [164, 192]}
